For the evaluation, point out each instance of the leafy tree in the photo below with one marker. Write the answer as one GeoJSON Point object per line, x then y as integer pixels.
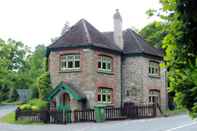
{"type": "Point", "coordinates": [154, 33]}
{"type": "Point", "coordinates": [19, 68]}
{"type": "Point", "coordinates": [181, 50]}
{"type": "Point", "coordinates": [44, 85]}
{"type": "Point", "coordinates": [12, 57]}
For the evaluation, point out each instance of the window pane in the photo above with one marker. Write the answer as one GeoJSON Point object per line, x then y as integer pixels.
{"type": "Point", "coordinates": [104, 66]}
{"type": "Point", "coordinates": [109, 66]}
{"type": "Point", "coordinates": [77, 57]}
{"type": "Point", "coordinates": [104, 98]}
{"type": "Point", "coordinates": [99, 64]}
{"type": "Point", "coordinates": [70, 64]}
{"type": "Point", "coordinates": [70, 57]}
{"type": "Point", "coordinates": [77, 64]}
{"type": "Point", "coordinates": [99, 97]}
{"type": "Point", "coordinates": [109, 98]}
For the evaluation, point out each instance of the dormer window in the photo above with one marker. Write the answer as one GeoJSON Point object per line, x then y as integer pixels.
{"type": "Point", "coordinates": [105, 64]}
{"type": "Point", "coordinates": [69, 62]}
{"type": "Point", "coordinates": [154, 69]}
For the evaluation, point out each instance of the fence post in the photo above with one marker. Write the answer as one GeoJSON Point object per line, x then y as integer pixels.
{"type": "Point", "coordinates": [154, 110]}
{"type": "Point", "coordinates": [17, 113]}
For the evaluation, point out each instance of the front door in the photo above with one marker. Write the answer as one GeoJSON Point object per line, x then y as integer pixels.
{"type": "Point", "coordinates": [64, 101]}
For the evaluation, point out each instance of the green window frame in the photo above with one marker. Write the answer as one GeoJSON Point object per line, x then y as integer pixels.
{"type": "Point", "coordinates": [70, 62]}
{"type": "Point", "coordinates": [104, 95]}
{"type": "Point", "coordinates": [105, 64]}
{"type": "Point", "coordinates": [154, 68]}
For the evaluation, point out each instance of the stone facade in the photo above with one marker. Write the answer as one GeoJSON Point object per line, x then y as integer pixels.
{"type": "Point", "coordinates": [88, 79]}
{"type": "Point", "coordinates": [137, 82]}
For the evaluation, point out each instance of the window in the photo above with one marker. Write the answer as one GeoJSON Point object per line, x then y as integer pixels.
{"type": "Point", "coordinates": [154, 68]}
{"type": "Point", "coordinates": [70, 62]}
{"type": "Point", "coordinates": [105, 64]}
{"type": "Point", "coordinates": [154, 96]}
{"type": "Point", "coordinates": [104, 95]}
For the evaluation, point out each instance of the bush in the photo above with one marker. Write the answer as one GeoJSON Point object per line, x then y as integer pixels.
{"type": "Point", "coordinates": [44, 85]}
{"type": "Point", "coordinates": [34, 105]}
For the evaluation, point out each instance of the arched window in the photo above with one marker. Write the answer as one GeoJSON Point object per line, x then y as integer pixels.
{"type": "Point", "coordinates": [104, 95]}
{"type": "Point", "coordinates": [105, 64]}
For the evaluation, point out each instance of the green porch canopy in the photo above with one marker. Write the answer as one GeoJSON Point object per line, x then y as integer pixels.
{"type": "Point", "coordinates": [68, 88]}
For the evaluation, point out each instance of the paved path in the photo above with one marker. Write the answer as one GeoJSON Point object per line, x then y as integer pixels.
{"type": "Point", "coordinates": [176, 123]}
{"type": "Point", "coordinates": [6, 109]}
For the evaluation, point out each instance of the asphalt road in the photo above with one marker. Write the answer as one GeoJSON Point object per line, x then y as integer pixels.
{"type": "Point", "coordinates": [175, 123]}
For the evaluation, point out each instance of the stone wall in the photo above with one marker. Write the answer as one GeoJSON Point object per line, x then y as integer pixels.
{"type": "Point", "coordinates": [88, 79]}
{"type": "Point", "coordinates": [137, 82]}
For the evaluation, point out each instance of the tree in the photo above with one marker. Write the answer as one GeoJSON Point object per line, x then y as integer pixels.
{"type": "Point", "coordinates": [12, 57]}
{"type": "Point", "coordinates": [181, 50]}
{"type": "Point", "coordinates": [44, 85]}
{"type": "Point", "coordinates": [65, 28]}
{"type": "Point", "coordinates": [154, 33]}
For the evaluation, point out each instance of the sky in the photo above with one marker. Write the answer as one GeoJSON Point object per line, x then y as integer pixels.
{"type": "Point", "coordinates": [37, 21]}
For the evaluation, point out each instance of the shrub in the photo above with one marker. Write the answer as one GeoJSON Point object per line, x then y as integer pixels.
{"type": "Point", "coordinates": [34, 105]}
{"type": "Point", "coordinates": [44, 85]}
{"type": "Point", "coordinates": [25, 107]}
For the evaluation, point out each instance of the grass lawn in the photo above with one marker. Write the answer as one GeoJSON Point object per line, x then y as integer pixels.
{"type": "Point", "coordinates": [174, 112]}
{"type": "Point", "coordinates": [10, 118]}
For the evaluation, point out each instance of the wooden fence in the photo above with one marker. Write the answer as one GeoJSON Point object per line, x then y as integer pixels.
{"type": "Point", "coordinates": [37, 116]}
{"type": "Point", "coordinates": [114, 114]}
{"type": "Point", "coordinates": [140, 111]}
{"type": "Point", "coordinates": [61, 117]}
{"type": "Point", "coordinates": [84, 115]}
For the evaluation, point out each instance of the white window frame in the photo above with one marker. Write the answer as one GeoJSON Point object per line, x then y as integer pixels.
{"type": "Point", "coordinates": [102, 92]}
{"type": "Point", "coordinates": [154, 68]}
{"type": "Point", "coordinates": [64, 60]}
{"type": "Point", "coordinates": [107, 61]}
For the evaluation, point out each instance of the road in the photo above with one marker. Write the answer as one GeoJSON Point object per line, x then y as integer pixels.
{"type": "Point", "coordinates": [175, 123]}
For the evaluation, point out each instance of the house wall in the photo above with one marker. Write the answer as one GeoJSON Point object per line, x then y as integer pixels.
{"type": "Point", "coordinates": [137, 82]}
{"type": "Point", "coordinates": [88, 79]}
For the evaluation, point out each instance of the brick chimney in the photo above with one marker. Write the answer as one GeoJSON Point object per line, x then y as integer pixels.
{"type": "Point", "coordinates": [118, 36]}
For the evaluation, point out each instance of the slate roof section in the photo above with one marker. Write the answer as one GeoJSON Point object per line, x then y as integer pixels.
{"type": "Point", "coordinates": [83, 34]}
{"type": "Point", "coordinates": [135, 44]}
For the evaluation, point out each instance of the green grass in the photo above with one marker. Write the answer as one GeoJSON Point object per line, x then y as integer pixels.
{"type": "Point", "coordinates": [174, 112]}
{"type": "Point", "coordinates": [10, 118]}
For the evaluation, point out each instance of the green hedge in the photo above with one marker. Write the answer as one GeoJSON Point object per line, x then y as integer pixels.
{"type": "Point", "coordinates": [34, 105]}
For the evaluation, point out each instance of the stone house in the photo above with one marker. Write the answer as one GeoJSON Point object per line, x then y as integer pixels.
{"type": "Point", "coordinates": [89, 67]}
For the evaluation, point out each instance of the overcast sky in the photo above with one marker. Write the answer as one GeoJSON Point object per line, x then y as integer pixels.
{"type": "Point", "coordinates": [37, 21]}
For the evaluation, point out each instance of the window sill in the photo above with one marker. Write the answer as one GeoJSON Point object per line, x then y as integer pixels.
{"type": "Point", "coordinates": [154, 76]}
{"type": "Point", "coordinates": [70, 71]}
{"type": "Point", "coordinates": [106, 104]}
{"type": "Point", "coordinates": [105, 72]}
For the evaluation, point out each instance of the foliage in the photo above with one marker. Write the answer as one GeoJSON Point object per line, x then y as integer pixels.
{"type": "Point", "coordinates": [10, 118]}
{"type": "Point", "coordinates": [181, 51]}
{"type": "Point", "coordinates": [34, 105]}
{"type": "Point", "coordinates": [19, 68]}
{"type": "Point", "coordinates": [154, 33]}
{"type": "Point", "coordinates": [44, 85]}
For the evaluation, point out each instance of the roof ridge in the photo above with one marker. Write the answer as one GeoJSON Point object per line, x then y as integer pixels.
{"type": "Point", "coordinates": [86, 31]}
{"type": "Point", "coordinates": [137, 41]}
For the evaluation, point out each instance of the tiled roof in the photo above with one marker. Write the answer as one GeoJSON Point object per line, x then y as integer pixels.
{"type": "Point", "coordinates": [83, 34]}
{"type": "Point", "coordinates": [135, 44]}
